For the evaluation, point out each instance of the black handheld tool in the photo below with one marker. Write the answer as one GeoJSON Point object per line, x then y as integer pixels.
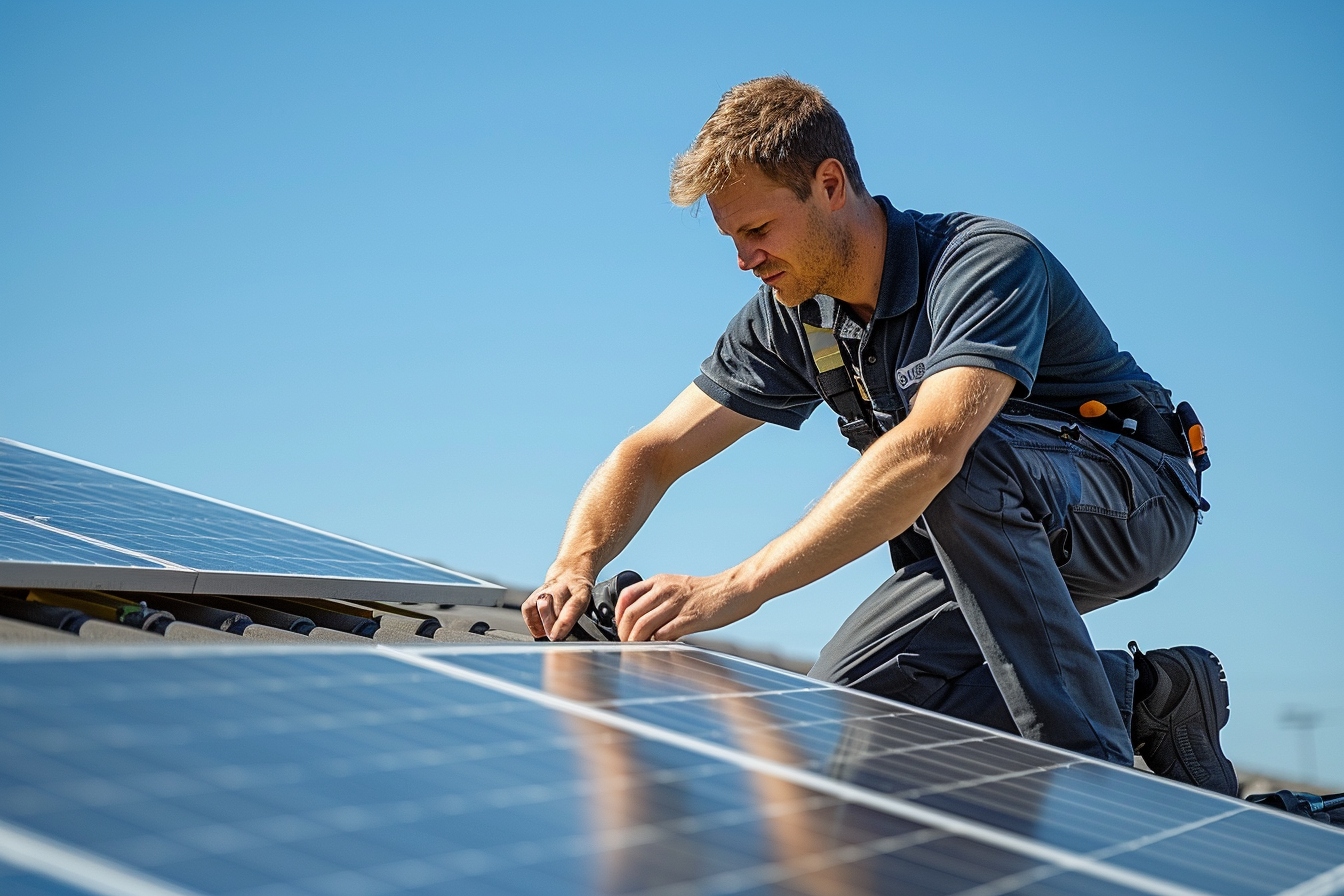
{"type": "Point", "coordinates": [1199, 449]}
{"type": "Point", "coordinates": [602, 605]}
{"type": "Point", "coordinates": [1194, 436]}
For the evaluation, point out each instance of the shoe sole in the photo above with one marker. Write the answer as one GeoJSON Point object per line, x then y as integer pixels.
{"type": "Point", "coordinates": [1212, 693]}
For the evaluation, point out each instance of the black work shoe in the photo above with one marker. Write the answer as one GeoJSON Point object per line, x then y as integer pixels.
{"type": "Point", "coordinates": [1176, 725]}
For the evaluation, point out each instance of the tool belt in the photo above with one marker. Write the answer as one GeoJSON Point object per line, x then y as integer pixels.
{"type": "Point", "coordinates": [1136, 418]}
{"type": "Point", "coordinates": [1177, 433]}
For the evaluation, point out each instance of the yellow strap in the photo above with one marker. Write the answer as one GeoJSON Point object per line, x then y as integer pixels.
{"type": "Point", "coordinates": [825, 350]}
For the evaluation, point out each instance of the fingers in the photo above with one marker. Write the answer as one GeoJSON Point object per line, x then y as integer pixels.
{"type": "Point", "coordinates": [546, 607]}
{"type": "Point", "coordinates": [625, 615]}
{"type": "Point", "coordinates": [532, 617]}
{"type": "Point", "coordinates": [546, 603]}
{"type": "Point", "coordinates": [552, 610]}
{"type": "Point", "coordinates": [569, 614]}
{"type": "Point", "coordinates": [680, 626]}
{"type": "Point", "coordinates": [631, 594]}
{"type": "Point", "coordinates": [649, 605]}
{"type": "Point", "coordinates": [661, 608]}
{"type": "Point", "coordinates": [648, 623]}
{"type": "Point", "coordinates": [532, 611]}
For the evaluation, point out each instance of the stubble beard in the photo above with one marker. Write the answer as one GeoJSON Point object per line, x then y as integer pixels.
{"type": "Point", "coordinates": [825, 259]}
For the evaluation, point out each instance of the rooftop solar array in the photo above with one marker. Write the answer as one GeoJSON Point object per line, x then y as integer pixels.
{"type": "Point", "coordinates": [657, 769]}
{"type": "Point", "coordinates": [66, 523]}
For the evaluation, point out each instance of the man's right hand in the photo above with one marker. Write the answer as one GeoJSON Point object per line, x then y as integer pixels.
{"type": "Point", "coordinates": [553, 609]}
{"type": "Point", "coordinates": [619, 497]}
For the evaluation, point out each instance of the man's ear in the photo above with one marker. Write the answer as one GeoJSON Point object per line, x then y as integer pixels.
{"type": "Point", "coordinates": [830, 186]}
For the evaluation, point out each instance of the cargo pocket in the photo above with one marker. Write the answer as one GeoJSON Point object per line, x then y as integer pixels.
{"type": "Point", "coordinates": [1117, 498]}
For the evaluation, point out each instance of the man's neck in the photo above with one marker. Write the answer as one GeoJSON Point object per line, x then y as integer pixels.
{"type": "Point", "coordinates": [868, 232]}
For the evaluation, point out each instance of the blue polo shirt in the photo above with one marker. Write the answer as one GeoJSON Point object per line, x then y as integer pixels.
{"type": "Point", "coordinates": [957, 290]}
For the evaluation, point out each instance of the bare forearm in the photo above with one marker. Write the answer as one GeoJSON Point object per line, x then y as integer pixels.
{"type": "Point", "coordinates": [886, 490]}
{"type": "Point", "coordinates": [611, 508]}
{"type": "Point", "coordinates": [619, 497]}
{"type": "Point", "coordinates": [877, 499]}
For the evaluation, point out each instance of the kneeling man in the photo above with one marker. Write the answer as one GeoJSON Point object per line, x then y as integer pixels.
{"type": "Point", "coordinates": [1023, 469]}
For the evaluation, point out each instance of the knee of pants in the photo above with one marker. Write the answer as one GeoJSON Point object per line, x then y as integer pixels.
{"type": "Point", "coordinates": [887, 678]}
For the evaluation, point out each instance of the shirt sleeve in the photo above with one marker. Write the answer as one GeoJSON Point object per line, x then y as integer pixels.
{"type": "Point", "coordinates": [989, 306]}
{"type": "Point", "coordinates": [758, 367]}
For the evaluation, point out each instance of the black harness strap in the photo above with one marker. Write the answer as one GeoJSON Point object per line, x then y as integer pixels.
{"type": "Point", "coordinates": [842, 392]}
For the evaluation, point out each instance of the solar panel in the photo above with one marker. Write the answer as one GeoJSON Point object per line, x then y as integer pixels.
{"type": "Point", "coordinates": [573, 769]}
{"type": "Point", "coordinates": [65, 523]}
{"type": "Point", "coordinates": [17, 882]}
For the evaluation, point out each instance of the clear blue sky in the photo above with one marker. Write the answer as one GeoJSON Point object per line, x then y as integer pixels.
{"type": "Point", "coordinates": [408, 271]}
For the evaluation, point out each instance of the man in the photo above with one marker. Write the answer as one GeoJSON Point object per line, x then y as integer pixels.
{"type": "Point", "coordinates": [1023, 469]}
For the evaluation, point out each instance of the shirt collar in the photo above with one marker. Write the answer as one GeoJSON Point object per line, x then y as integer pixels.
{"type": "Point", "coordinates": [899, 291]}
{"type": "Point", "coordinates": [900, 268]}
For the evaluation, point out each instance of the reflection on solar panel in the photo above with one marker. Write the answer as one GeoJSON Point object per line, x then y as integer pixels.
{"type": "Point", "coordinates": [16, 882]}
{"type": "Point", "coordinates": [659, 769]}
{"type": "Point", "coordinates": [65, 523]}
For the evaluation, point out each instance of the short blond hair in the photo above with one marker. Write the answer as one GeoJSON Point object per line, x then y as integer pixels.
{"type": "Point", "coordinates": [779, 124]}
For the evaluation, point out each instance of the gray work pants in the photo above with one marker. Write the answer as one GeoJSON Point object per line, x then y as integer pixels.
{"type": "Point", "coordinates": [1045, 522]}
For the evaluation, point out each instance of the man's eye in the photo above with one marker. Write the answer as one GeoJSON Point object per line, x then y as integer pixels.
{"type": "Point", "coordinates": [758, 231]}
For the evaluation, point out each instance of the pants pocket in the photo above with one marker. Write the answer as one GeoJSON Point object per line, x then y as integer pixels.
{"type": "Point", "coordinates": [1180, 473]}
{"type": "Point", "coordinates": [1118, 555]}
{"type": "Point", "coordinates": [1095, 476]}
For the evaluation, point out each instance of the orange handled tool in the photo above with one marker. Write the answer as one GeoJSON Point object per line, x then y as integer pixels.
{"type": "Point", "coordinates": [1096, 410]}
{"type": "Point", "coordinates": [1199, 449]}
{"type": "Point", "coordinates": [1194, 435]}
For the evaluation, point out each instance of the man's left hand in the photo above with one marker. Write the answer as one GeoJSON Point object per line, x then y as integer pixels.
{"type": "Point", "coordinates": [667, 607]}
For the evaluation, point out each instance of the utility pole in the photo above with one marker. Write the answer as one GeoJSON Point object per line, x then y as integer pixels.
{"type": "Point", "coordinates": [1305, 721]}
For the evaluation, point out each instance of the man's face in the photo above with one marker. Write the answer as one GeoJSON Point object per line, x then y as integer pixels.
{"type": "Point", "coordinates": [794, 246]}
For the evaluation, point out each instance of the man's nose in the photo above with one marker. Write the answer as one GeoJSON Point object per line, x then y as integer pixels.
{"type": "Point", "coordinates": [747, 259]}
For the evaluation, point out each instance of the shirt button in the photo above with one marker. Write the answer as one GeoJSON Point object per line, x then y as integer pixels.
{"type": "Point", "coordinates": [872, 359]}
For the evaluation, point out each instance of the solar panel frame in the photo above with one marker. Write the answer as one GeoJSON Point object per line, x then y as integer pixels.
{"type": "Point", "coordinates": [1050, 869]}
{"type": "Point", "coordinates": [1329, 880]}
{"type": "Point", "coordinates": [98, 560]}
{"type": "Point", "coordinates": [939, 857]}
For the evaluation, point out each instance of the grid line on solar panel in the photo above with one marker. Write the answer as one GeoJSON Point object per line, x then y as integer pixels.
{"type": "Point", "coordinates": [873, 799]}
{"type": "Point", "coordinates": [1329, 884]}
{"type": "Point", "coordinates": [721, 660]}
{"type": "Point", "coordinates": [37, 523]}
{"type": "Point", "coordinates": [773, 873]}
{"type": "Point", "coordinates": [237, 800]}
{"type": "Point", "coordinates": [1073, 802]}
{"type": "Point", "coordinates": [692, 698]}
{"type": "Point", "coordinates": [23, 541]}
{"type": "Point", "coordinates": [85, 872]}
{"type": "Point", "coordinates": [164, 525]}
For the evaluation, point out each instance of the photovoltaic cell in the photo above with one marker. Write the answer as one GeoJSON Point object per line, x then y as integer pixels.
{"type": "Point", "coordinates": [1113, 815]}
{"type": "Point", "coordinates": [20, 882]}
{"type": "Point", "coordinates": [360, 771]}
{"type": "Point", "coordinates": [71, 515]}
{"type": "Point", "coordinates": [23, 542]}
{"type": "Point", "coordinates": [354, 771]}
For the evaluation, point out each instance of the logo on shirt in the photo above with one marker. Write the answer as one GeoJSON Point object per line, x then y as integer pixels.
{"type": "Point", "coordinates": [910, 375]}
